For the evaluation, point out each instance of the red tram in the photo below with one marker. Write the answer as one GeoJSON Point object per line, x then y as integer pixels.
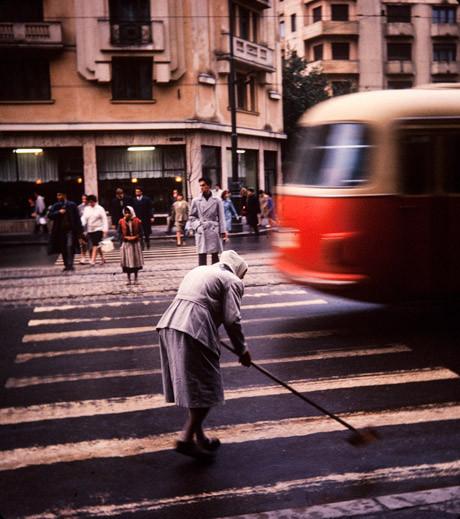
{"type": "Point", "coordinates": [371, 207]}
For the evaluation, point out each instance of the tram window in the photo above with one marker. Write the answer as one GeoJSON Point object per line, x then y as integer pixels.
{"type": "Point", "coordinates": [451, 169]}
{"type": "Point", "coordinates": [417, 161]}
{"type": "Point", "coordinates": [332, 155]}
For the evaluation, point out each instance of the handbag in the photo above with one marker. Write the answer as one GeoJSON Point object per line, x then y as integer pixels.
{"type": "Point", "coordinates": [106, 245]}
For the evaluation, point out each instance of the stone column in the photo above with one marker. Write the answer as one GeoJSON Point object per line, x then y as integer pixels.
{"type": "Point", "coordinates": [422, 52]}
{"type": "Point", "coordinates": [193, 166]}
{"type": "Point", "coordinates": [370, 45]}
{"type": "Point", "coordinates": [90, 167]}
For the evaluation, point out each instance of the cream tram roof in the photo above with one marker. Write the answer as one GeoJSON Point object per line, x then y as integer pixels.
{"type": "Point", "coordinates": [382, 106]}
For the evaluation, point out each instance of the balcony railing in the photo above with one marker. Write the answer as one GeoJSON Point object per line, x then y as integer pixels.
{"type": "Point", "coordinates": [330, 28]}
{"type": "Point", "coordinates": [145, 36]}
{"type": "Point", "coordinates": [444, 30]}
{"type": "Point", "coordinates": [130, 33]}
{"type": "Point", "coordinates": [399, 67]}
{"type": "Point", "coordinates": [444, 68]}
{"type": "Point", "coordinates": [254, 54]}
{"type": "Point", "coordinates": [31, 34]}
{"type": "Point", "coordinates": [399, 29]}
{"type": "Point", "coordinates": [336, 66]}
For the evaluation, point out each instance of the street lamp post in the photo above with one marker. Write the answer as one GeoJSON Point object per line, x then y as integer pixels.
{"type": "Point", "coordinates": [235, 185]}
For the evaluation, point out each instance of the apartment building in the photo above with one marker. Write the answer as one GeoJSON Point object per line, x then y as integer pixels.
{"type": "Point", "coordinates": [374, 44]}
{"type": "Point", "coordinates": [100, 94]}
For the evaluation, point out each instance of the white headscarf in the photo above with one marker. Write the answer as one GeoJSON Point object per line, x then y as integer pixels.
{"type": "Point", "coordinates": [235, 262]}
{"type": "Point", "coordinates": [131, 210]}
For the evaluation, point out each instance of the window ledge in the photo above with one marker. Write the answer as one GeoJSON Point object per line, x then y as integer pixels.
{"type": "Point", "coordinates": [242, 111]}
{"type": "Point", "coordinates": [28, 102]}
{"type": "Point", "coordinates": [133, 101]}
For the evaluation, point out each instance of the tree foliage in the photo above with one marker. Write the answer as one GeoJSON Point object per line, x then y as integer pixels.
{"type": "Point", "coordinates": [301, 90]}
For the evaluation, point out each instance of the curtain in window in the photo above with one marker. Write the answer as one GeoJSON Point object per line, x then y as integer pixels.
{"type": "Point", "coordinates": [28, 168]}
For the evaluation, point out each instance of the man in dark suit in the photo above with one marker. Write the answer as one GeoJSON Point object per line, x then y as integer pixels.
{"type": "Point", "coordinates": [143, 208]}
{"type": "Point", "coordinates": [66, 231]}
{"type": "Point", "coordinates": [118, 204]}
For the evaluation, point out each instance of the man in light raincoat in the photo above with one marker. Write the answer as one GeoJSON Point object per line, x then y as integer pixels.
{"type": "Point", "coordinates": [208, 296]}
{"type": "Point", "coordinates": [207, 219]}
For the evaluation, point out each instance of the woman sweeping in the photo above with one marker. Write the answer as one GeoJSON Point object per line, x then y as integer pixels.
{"type": "Point", "coordinates": [132, 259]}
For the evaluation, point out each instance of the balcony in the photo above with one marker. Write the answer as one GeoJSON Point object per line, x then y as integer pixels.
{"type": "Point", "coordinates": [139, 36]}
{"type": "Point", "coordinates": [399, 67]}
{"type": "Point", "coordinates": [399, 29]}
{"type": "Point", "coordinates": [336, 66]}
{"type": "Point", "coordinates": [330, 28]}
{"type": "Point", "coordinates": [262, 4]}
{"type": "Point", "coordinates": [31, 35]}
{"type": "Point", "coordinates": [444, 68]}
{"type": "Point", "coordinates": [444, 30]}
{"type": "Point", "coordinates": [253, 54]}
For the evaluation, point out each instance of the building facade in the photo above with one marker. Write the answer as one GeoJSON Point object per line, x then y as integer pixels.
{"type": "Point", "coordinates": [100, 94]}
{"type": "Point", "coordinates": [374, 44]}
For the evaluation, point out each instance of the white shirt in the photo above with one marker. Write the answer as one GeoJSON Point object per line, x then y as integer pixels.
{"type": "Point", "coordinates": [95, 219]}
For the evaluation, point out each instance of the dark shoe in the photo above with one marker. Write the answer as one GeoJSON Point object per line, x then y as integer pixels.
{"type": "Point", "coordinates": [191, 449]}
{"type": "Point", "coordinates": [211, 444]}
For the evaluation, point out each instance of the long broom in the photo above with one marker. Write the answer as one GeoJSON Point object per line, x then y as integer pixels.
{"type": "Point", "coordinates": [358, 438]}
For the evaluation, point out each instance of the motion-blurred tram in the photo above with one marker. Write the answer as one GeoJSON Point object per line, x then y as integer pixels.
{"type": "Point", "coordinates": [370, 208]}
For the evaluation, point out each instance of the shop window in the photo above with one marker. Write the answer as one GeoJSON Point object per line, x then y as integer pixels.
{"type": "Point", "coordinates": [398, 13]}
{"type": "Point", "coordinates": [28, 11]}
{"type": "Point", "coordinates": [444, 14]}
{"type": "Point", "coordinates": [245, 92]}
{"type": "Point", "coordinates": [132, 78]}
{"type": "Point", "coordinates": [211, 164]}
{"type": "Point", "coordinates": [270, 170]}
{"type": "Point", "coordinates": [156, 171]}
{"type": "Point", "coordinates": [317, 14]}
{"type": "Point", "coordinates": [248, 167]}
{"type": "Point", "coordinates": [339, 12]}
{"type": "Point", "coordinates": [45, 172]}
{"type": "Point", "coordinates": [399, 51]}
{"type": "Point", "coordinates": [25, 80]}
{"type": "Point", "coordinates": [340, 50]}
{"type": "Point", "coordinates": [444, 52]}
{"type": "Point", "coordinates": [318, 52]}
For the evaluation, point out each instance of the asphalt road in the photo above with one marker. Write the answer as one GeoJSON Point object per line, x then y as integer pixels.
{"type": "Point", "coordinates": [85, 432]}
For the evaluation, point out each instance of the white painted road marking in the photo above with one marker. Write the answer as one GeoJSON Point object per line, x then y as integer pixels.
{"type": "Point", "coordinates": [92, 332]}
{"type": "Point", "coordinates": [117, 405]}
{"type": "Point", "coordinates": [356, 507]}
{"type": "Point", "coordinates": [235, 433]}
{"type": "Point", "coordinates": [73, 377]}
{"type": "Point", "coordinates": [47, 322]}
{"type": "Point", "coordinates": [285, 304]}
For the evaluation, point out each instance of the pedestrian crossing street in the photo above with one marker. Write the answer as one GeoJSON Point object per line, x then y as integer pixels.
{"type": "Point", "coordinates": [155, 253]}
{"type": "Point", "coordinates": [84, 397]}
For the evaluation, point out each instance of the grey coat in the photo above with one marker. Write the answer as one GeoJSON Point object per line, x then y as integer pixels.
{"type": "Point", "coordinates": [207, 219]}
{"type": "Point", "coordinates": [208, 297]}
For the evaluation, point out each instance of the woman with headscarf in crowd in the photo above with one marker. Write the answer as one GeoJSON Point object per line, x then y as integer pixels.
{"type": "Point", "coordinates": [132, 259]}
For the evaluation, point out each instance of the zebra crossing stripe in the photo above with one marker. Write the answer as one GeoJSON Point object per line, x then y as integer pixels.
{"type": "Point", "coordinates": [118, 405]}
{"type": "Point", "coordinates": [357, 507]}
{"type": "Point", "coordinates": [103, 332]}
{"type": "Point", "coordinates": [96, 375]}
{"type": "Point", "coordinates": [236, 433]}
{"type": "Point", "coordinates": [48, 322]}
{"type": "Point", "coordinates": [99, 332]}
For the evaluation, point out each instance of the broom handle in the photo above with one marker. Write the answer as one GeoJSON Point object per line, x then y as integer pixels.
{"type": "Point", "coordinates": [295, 392]}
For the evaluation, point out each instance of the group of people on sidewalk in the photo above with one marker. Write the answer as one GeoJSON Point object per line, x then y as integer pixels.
{"type": "Point", "coordinates": [82, 229]}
